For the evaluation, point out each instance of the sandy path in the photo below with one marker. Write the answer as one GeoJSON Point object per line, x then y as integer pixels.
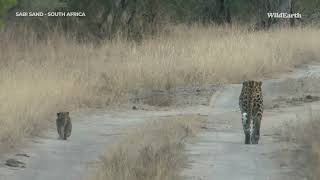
{"type": "Point", "coordinates": [220, 153]}
{"type": "Point", "coordinates": [52, 159]}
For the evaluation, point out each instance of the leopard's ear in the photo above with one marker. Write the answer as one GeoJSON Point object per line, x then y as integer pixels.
{"type": "Point", "coordinates": [260, 83]}
{"type": "Point", "coordinates": [67, 113]}
{"type": "Point", "coordinates": [58, 114]}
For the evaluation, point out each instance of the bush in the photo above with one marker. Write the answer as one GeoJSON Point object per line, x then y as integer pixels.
{"type": "Point", "coordinates": [4, 6]}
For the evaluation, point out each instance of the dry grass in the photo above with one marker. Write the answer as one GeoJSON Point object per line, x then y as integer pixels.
{"type": "Point", "coordinates": [304, 134]}
{"type": "Point", "coordinates": [153, 152]}
{"type": "Point", "coordinates": [39, 78]}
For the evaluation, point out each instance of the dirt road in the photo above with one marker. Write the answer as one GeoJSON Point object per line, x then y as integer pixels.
{"type": "Point", "coordinates": [219, 153]}
{"type": "Point", "coordinates": [52, 159]}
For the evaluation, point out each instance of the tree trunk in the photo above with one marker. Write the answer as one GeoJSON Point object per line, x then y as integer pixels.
{"type": "Point", "coordinates": [291, 5]}
{"type": "Point", "coordinates": [228, 12]}
{"type": "Point", "coordinates": [224, 11]}
{"type": "Point", "coordinates": [263, 7]}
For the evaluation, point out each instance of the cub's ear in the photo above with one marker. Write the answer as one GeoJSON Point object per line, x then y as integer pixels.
{"type": "Point", "coordinates": [260, 83]}
{"type": "Point", "coordinates": [67, 113]}
{"type": "Point", "coordinates": [58, 114]}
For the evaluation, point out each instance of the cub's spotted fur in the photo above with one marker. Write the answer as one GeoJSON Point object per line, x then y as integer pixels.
{"type": "Point", "coordinates": [251, 106]}
{"type": "Point", "coordinates": [64, 125]}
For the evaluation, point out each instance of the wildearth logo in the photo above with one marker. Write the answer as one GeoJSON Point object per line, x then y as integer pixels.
{"type": "Point", "coordinates": [284, 15]}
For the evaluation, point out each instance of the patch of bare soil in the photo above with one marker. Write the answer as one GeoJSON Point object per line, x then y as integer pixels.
{"type": "Point", "coordinates": [294, 90]}
{"type": "Point", "coordinates": [294, 101]}
{"type": "Point", "coordinates": [174, 97]}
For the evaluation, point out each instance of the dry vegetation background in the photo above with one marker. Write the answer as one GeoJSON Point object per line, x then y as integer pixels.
{"type": "Point", "coordinates": [40, 77]}
{"type": "Point", "coordinates": [154, 151]}
{"type": "Point", "coordinates": [304, 134]}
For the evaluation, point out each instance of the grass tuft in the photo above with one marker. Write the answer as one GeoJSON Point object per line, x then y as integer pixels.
{"type": "Point", "coordinates": [153, 152]}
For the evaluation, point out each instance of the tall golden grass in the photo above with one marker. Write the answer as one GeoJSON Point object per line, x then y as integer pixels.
{"type": "Point", "coordinates": [155, 151]}
{"type": "Point", "coordinates": [304, 134]}
{"type": "Point", "coordinates": [40, 77]}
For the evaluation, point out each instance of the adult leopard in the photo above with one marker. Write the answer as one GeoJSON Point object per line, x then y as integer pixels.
{"type": "Point", "coordinates": [251, 107]}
